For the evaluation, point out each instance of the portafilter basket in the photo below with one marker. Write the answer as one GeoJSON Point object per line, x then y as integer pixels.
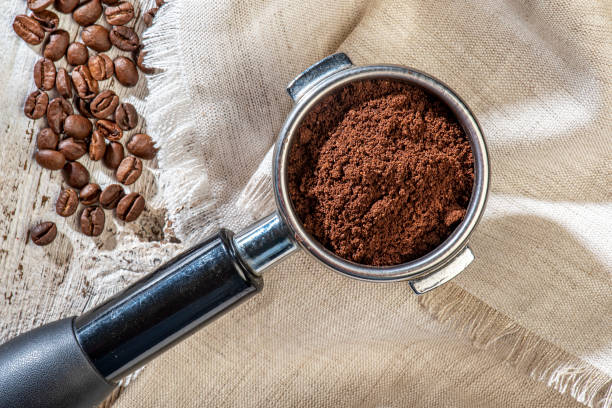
{"type": "Point", "coordinates": [77, 361]}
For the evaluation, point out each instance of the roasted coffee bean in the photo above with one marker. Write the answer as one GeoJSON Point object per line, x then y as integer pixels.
{"type": "Point", "coordinates": [90, 194]}
{"type": "Point", "coordinates": [43, 233]}
{"type": "Point", "coordinates": [36, 105]}
{"type": "Point", "coordinates": [96, 37]}
{"type": "Point", "coordinates": [47, 139]}
{"type": "Point", "coordinates": [126, 116]}
{"type": "Point", "coordinates": [75, 174]}
{"type": "Point", "coordinates": [28, 29]}
{"type": "Point", "coordinates": [97, 146]}
{"type": "Point", "coordinates": [84, 84]}
{"type": "Point", "coordinates": [109, 129]}
{"type": "Point", "coordinates": [72, 149]}
{"type": "Point", "coordinates": [120, 14]}
{"type": "Point", "coordinates": [77, 126]}
{"type": "Point", "coordinates": [39, 5]}
{"type": "Point", "coordinates": [50, 159]}
{"type": "Point", "coordinates": [47, 19]}
{"type": "Point", "coordinates": [56, 44]}
{"type": "Point", "coordinates": [57, 112]}
{"type": "Point", "coordinates": [142, 145]}
{"type": "Point", "coordinates": [149, 16]}
{"type": "Point", "coordinates": [65, 6]}
{"type": "Point", "coordinates": [104, 104]}
{"type": "Point", "coordinates": [110, 2]}
{"type": "Point", "coordinates": [113, 155]}
{"type": "Point", "coordinates": [67, 202]}
{"type": "Point", "coordinates": [63, 83]}
{"type": "Point", "coordinates": [111, 195]}
{"type": "Point", "coordinates": [130, 207]}
{"type": "Point", "coordinates": [92, 221]}
{"type": "Point", "coordinates": [87, 13]}
{"type": "Point", "coordinates": [125, 71]}
{"type": "Point", "coordinates": [124, 38]}
{"type": "Point", "coordinates": [139, 58]}
{"type": "Point", "coordinates": [129, 170]}
{"type": "Point", "coordinates": [101, 67]}
{"type": "Point", "coordinates": [82, 106]}
{"type": "Point", "coordinates": [77, 54]}
{"type": "Point", "coordinates": [44, 74]}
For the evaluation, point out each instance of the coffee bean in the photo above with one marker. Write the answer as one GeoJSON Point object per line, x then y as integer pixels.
{"type": "Point", "coordinates": [109, 129]}
{"type": "Point", "coordinates": [44, 74]}
{"type": "Point", "coordinates": [75, 174]}
{"type": "Point", "coordinates": [72, 149]}
{"type": "Point", "coordinates": [50, 159]}
{"type": "Point", "coordinates": [111, 196]}
{"type": "Point", "coordinates": [56, 44]}
{"type": "Point", "coordinates": [139, 55]}
{"type": "Point", "coordinates": [129, 170]}
{"type": "Point", "coordinates": [124, 38]}
{"type": "Point", "coordinates": [77, 54]}
{"type": "Point", "coordinates": [120, 14]}
{"type": "Point", "coordinates": [110, 2]}
{"type": "Point", "coordinates": [148, 16]}
{"type": "Point", "coordinates": [82, 106]}
{"type": "Point", "coordinates": [113, 155]}
{"type": "Point", "coordinates": [90, 194]}
{"type": "Point", "coordinates": [77, 126]}
{"type": "Point", "coordinates": [126, 116]}
{"type": "Point", "coordinates": [87, 13]}
{"type": "Point", "coordinates": [65, 6]}
{"type": "Point", "coordinates": [97, 146]}
{"type": "Point", "coordinates": [142, 145]}
{"type": "Point", "coordinates": [101, 67]}
{"type": "Point", "coordinates": [28, 29]}
{"type": "Point", "coordinates": [130, 207]}
{"type": "Point", "coordinates": [96, 37]}
{"type": "Point", "coordinates": [104, 104]}
{"type": "Point", "coordinates": [63, 83]}
{"type": "Point", "coordinates": [159, 3]}
{"type": "Point", "coordinates": [86, 86]}
{"type": "Point", "coordinates": [47, 19]}
{"type": "Point", "coordinates": [57, 112]}
{"type": "Point", "coordinates": [125, 71]}
{"type": "Point", "coordinates": [36, 105]}
{"type": "Point", "coordinates": [47, 139]}
{"type": "Point", "coordinates": [38, 5]}
{"type": "Point", "coordinates": [67, 202]}
{"type": "Point", "coordinates": [92, 221]}
{"type": "Point", "coordinates": [43, 233]}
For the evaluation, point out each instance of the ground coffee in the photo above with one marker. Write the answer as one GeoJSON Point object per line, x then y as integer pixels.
{"type": "Point", "coordinates": [381, 172]}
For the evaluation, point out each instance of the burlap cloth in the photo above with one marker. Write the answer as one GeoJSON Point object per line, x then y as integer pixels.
{"type": "Point", "coordinates": [529, 323]}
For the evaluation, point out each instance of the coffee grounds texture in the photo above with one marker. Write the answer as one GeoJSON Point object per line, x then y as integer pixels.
{"type": "Point", "coordinates": [381, 172]}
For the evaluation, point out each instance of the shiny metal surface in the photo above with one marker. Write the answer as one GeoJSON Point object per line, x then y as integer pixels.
{"type": "Point", "coordinates": [264, 243]}
{"type": "Point", "coordinates": [444, 274]}
{"type": "Point", "coordinates": [308, 97]}
{"type": "Point", "coordinates": [316, 72]}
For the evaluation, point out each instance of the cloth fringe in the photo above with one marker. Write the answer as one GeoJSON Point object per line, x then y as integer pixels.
{"type": "Point", "coordinates": [257, 197]}
{"type": "Point", "coordinates": [491, 330]}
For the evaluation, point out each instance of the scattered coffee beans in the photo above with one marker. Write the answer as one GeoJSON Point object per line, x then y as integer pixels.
{"type": "Point", "coordinates": [36, 105]}
{"type": "Point", "coordinates": [87, 13]}
{"type": "Point", "coordinates": [38, 5]}
{"type": "Point", "coordinates": [82, 106]}
{"type": "Point", "coordinates": [104, 104]}
{"type": "Point", "coordinates": [381, 172]}
{"type": "Point", "coordinates": [72, 149]}
{"type": "Point", "coordinates": [109, 129]}
{"type": "Point", "coordinates": [126, 116]}
{"type": "Point", "coordinates": [138, 56]}
{"type": "Point", "coordinates": [141, 145]}
{"type": "Point", "coordinates": [28, 29]}
{"type": "Point", "coordinates": [148, 16]}
{"type": "Point", "coordinates": [47, 19]}
{"type": "Point", "coordinates": [84, 84]}
{"type": "Point", "coordinates": [113, 155]}
{"type": "Point", "coordinates": [47, 139]}
{"type": "Point", "coordinates": [50, 159]}
{"type": "Point", "coordinates": [92, 221]}
{"type": "Point", "coordinates": [111, 195]}
{"type": "Point", "coordinates": [77, 54]}
{"type": "Point", "coordinates": [77, 126]}
{"type": "Point", "coordinates": [44, 74]}
{"type": "Point", "coordinates": [97, 146]}
{"type": "Point", "coordinates": [65, 6]}
{"type": "Point", "coordinates": [57, 112]}
{"type": "Point", "coordinates": [75, 174]}
{"type": "Point", "coordinates": [130, 207]}
{"type": "Point", "coordinates": [125, 71]}
{"type": "Point", "coordinates": [43, 233]}
{"type": "Point", "coordinates": [96, 37]}
{"type": "Point", "coordinates": [67, 203]}
{"type": "Point", "coordinates": [101, 67]}
{"type": "Point", "coordinates": [124, 38]}
{"type": "Point", "coordinates": [56, 45]}
{"type": "Point", "coordinates": [120, 14]}
{"type": "Point", "coordinates": [90, 194]}
{"type": "Point", "coordinates": [63, 84]}
{"type": "Point", "coordinates": [129, 170]}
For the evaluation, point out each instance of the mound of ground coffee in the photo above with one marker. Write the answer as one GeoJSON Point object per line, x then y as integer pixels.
{"type": "Point", "coordinates": [381, 172]}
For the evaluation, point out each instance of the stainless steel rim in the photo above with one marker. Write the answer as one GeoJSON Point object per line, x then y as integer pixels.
{"type": "Point", "coordinates": [445, 252]}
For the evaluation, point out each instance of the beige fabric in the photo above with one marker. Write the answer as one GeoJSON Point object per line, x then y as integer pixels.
{"type": "Point", "coordinates": [537, 302]}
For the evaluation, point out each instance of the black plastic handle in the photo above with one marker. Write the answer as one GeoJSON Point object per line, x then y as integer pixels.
{"type": "Point", "coordinates": [74, 362]}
